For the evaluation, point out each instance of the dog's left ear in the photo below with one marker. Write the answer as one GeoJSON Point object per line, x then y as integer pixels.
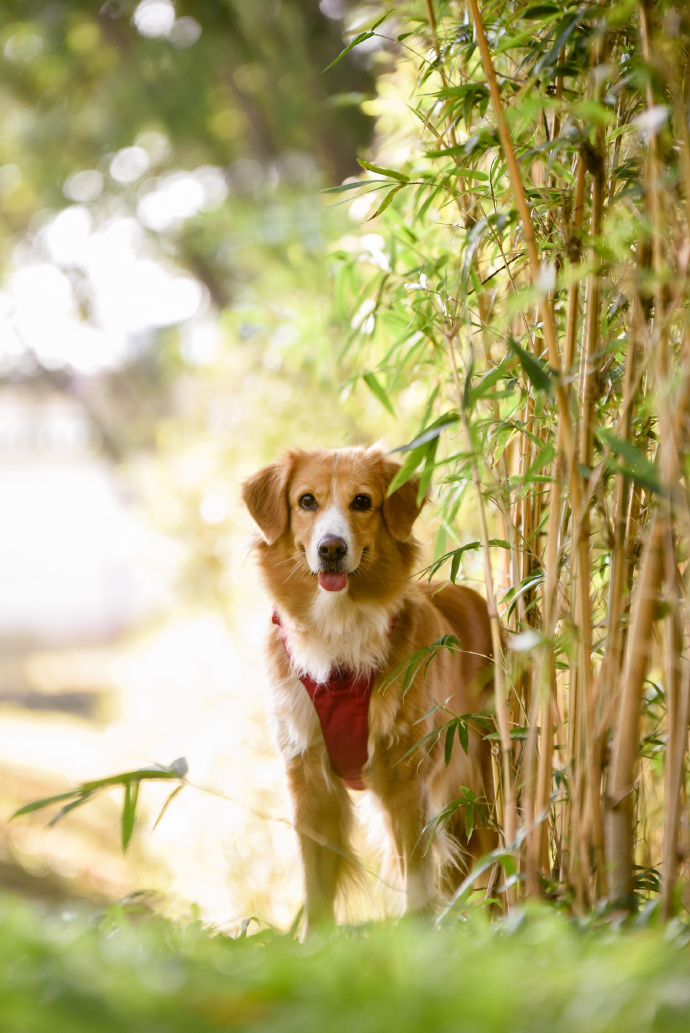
{"type": "Point", "coordinates": [400, 510]}
{"type": "Point", "coordinates": [265, 496]}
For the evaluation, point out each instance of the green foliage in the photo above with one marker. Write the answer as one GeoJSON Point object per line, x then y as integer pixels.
{"type": "Point", "coordinates": [129, 972]}
{"type": "Point", "coordinates": [531, 314]}
{"type": "Point", "coordinates": [130, 781]}
{"type": "Point", "coordinates": [213, 95]}
{"type": "Point", "coordinates": [533, 285]}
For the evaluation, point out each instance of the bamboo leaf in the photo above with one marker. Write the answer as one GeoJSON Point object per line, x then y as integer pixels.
{"type": "Point", "coordinates": [499, 543]}
{"type": "Point", "coordinates": [491, 378]}
{"type": "Point", "coordinates": [45, 801]}
{"type": "Point", "coordinates": [519, 734]}
{"type": "Point", "coordinates": [176, 791]}
{"type": "Point", "coordinates": [540, 11]}
{"type": "Point", "coordinates": [446, 152]}
{"type": "Point", "coordinates": [152, 772]}
{"type": "Point", "coordinates": [353, 43]}
{"type": "Point", "coordinates": [389, 173]}
{"type": "Point", "coordinates": [386, 202]}
{"type": "Point", "coordinates": [537, 372]}
{"type": "Point", "coordinates": [428, 471]}
{"type": "Point", "coordinates": [377, 390]}
{"type": "Point", "coordinates": [345, 187]}
{"type": "Point", "coordinates": [450, 732]}
{"type": "Point", "coordinates": [638, 466]}
{"type": "Point", "coordinates": [430, 433]}
{"type": "Point", "coordinates": [359, 38]}
{"type": "Point", "coordinates": [543, 458]}
{"type": "Point", "coordinates": [408, 468]}
{"type": "Point", "coordinates": [564, 31]}
{"type": "Point", "coordinates": [81, 799]}
{"type": "Point", "coordinates": [476, 282]}
{"type": "Point", "coordinates": [129, 812]}
{"type": "Point", "coordinates": [469, 821]}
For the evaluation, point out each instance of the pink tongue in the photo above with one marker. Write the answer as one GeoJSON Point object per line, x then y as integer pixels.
{"type": "Point", "coordinates": [333, 582]}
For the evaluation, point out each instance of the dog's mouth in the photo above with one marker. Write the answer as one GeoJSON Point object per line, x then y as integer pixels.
{"type": "Point", "coordinates": [333, 580]}
{"type": "Point", "coordinates": [333, 577]}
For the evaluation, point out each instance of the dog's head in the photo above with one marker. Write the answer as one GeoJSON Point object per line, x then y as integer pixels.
{"type": "Point", "coordinates": [327, 520]}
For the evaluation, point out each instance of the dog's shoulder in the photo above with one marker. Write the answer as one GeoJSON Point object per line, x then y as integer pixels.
{"type": "Point", "coordinates": [463, 608]}
{"type": "Point", "coordinates": [438, 609]}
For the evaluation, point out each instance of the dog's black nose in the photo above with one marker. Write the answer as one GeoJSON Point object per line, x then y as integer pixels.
{"type": "Point", "coordinates": [332, 548]}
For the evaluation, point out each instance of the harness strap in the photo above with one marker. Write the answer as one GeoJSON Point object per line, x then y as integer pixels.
{"type": "Point", "coordinates": [342, 707]}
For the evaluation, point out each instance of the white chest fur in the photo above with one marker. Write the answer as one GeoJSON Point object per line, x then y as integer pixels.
{"type": "Point", "coordinates": [338, 633]}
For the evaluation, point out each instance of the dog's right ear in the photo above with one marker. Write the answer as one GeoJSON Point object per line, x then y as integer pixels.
{"type": "Point", "coordinates": [401, 509]}
{"type": "Point", "coordinates": [265, 496]}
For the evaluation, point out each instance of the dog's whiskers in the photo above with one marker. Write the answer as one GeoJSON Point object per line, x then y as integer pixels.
{"type": "Point", "coordinates": [295, 557]}
{"type": "Point", "coordinates": [297, 561]}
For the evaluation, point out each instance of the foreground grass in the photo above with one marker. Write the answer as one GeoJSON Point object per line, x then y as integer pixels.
{"type": "Point", "coordinates": [79, 973]}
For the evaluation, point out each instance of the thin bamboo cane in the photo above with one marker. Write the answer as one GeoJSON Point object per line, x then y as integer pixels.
{"type": "Point", "coordinates": [677, 696]}
{"type": "Point", "coordinates": [546, 311]}
{"type": "Point", "coordinates": [507, 789]}
{"type": "Point", "coordinates": [572, 319]}
{"type": "Point", "coordinates": [548, 688]}
{"type": "Point", "coordinates": [619, 840]}
{"type": "Point", "coordinates": [545, 306]}
{"type": "Point", "coordinates": [620, 847]}
{"type": "Point", "coordinates": [625, 743]}
{"type": "Point", "coordinates": [589, 761]}
{"type": "Point", "coordinates": [575, 251]}
{"type": "Point", "coordinates": [678, 713]}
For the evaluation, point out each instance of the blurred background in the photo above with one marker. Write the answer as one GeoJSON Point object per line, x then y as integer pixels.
{"type": "Point", "coordinates": [168, 323]}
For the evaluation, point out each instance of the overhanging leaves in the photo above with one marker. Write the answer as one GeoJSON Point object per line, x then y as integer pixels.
{"type": "Point", "coordinates": [129, 780]}
{"type": "Point", "coordinates": [537, 371]}
{"type": "Point", "coordinates": [430, 433]}
{"type": "Point", "coordinates": [378, 391]}
{"type": "Point", "coordinates": [637, 465]}
{"type": "Point", "coordinates": [359, 38]}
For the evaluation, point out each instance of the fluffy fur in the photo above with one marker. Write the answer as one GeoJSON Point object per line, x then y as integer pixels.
{"type": "Point", "coordinates": [324, 515]}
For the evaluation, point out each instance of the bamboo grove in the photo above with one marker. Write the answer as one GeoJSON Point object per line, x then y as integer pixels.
{"type": "Point", "coordinates": [531, 202]}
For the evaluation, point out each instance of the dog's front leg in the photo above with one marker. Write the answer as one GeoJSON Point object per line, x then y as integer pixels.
{"type": "Point", "coordinates": [323, 819]}
{"type": "Point", "coordinates": [406, 806]}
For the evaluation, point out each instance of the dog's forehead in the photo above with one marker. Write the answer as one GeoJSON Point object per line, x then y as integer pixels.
{"type": "Point", "coordinates": [337, 472]}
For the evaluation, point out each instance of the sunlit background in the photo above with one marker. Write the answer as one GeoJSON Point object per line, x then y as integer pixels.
{"type": "Point", "coordinates": [168, 322]}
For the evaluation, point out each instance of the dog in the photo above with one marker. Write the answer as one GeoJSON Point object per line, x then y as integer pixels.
{"type": "Point", "coordinates": [337, 555]}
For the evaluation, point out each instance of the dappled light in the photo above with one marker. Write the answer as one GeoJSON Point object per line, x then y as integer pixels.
{"type": "Point", "coordinates": [233, 235]}
{"type": "Point", "coordinates": [129, 611]}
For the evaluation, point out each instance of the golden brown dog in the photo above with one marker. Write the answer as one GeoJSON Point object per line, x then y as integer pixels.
{"type": "Point", "coordinates": [336, 556]}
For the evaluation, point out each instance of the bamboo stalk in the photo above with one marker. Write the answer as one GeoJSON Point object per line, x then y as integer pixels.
{"type": "Point", "coordinates": [588, 766]}
{"type": "Point", "coordinates": [678, 712]}
{"type": "Point", "coordinates": [548, 687]}
{"type": "Point", "coordinates": [507, 789]}
{"type": "Point", "coordinates": [546, 311]}
{"type": "Point", "coordinates": [574, 254]}
{"type": "Point", "coordinates": [625, 742]}
{"type": "Point", "coordinates": [545, 307]}
{"type": "Point", "coordinates": [659, 537]}
{"type": "Point", "coordinates": [654, 203]}
{"type": "Point", "coordinates": [610, 672]}
{"type": "Point", "coordinates": [677, 697]}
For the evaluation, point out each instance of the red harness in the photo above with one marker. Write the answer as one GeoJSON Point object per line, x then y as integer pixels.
{"type": "Point", "coordinates": [342, 707]}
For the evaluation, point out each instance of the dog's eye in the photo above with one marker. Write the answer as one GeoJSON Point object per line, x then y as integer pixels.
{"type": "Point", "coordinates": [307, 501]}
{"type": "Point", "coordinates": [361, 502]}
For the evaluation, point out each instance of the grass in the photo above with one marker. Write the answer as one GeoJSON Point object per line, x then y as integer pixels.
{"type": "Point", "coordinates": [122, 972]}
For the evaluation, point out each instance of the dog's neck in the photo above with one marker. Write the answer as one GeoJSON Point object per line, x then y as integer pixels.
{"type": "Point", "coordinates": [338, 632]}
